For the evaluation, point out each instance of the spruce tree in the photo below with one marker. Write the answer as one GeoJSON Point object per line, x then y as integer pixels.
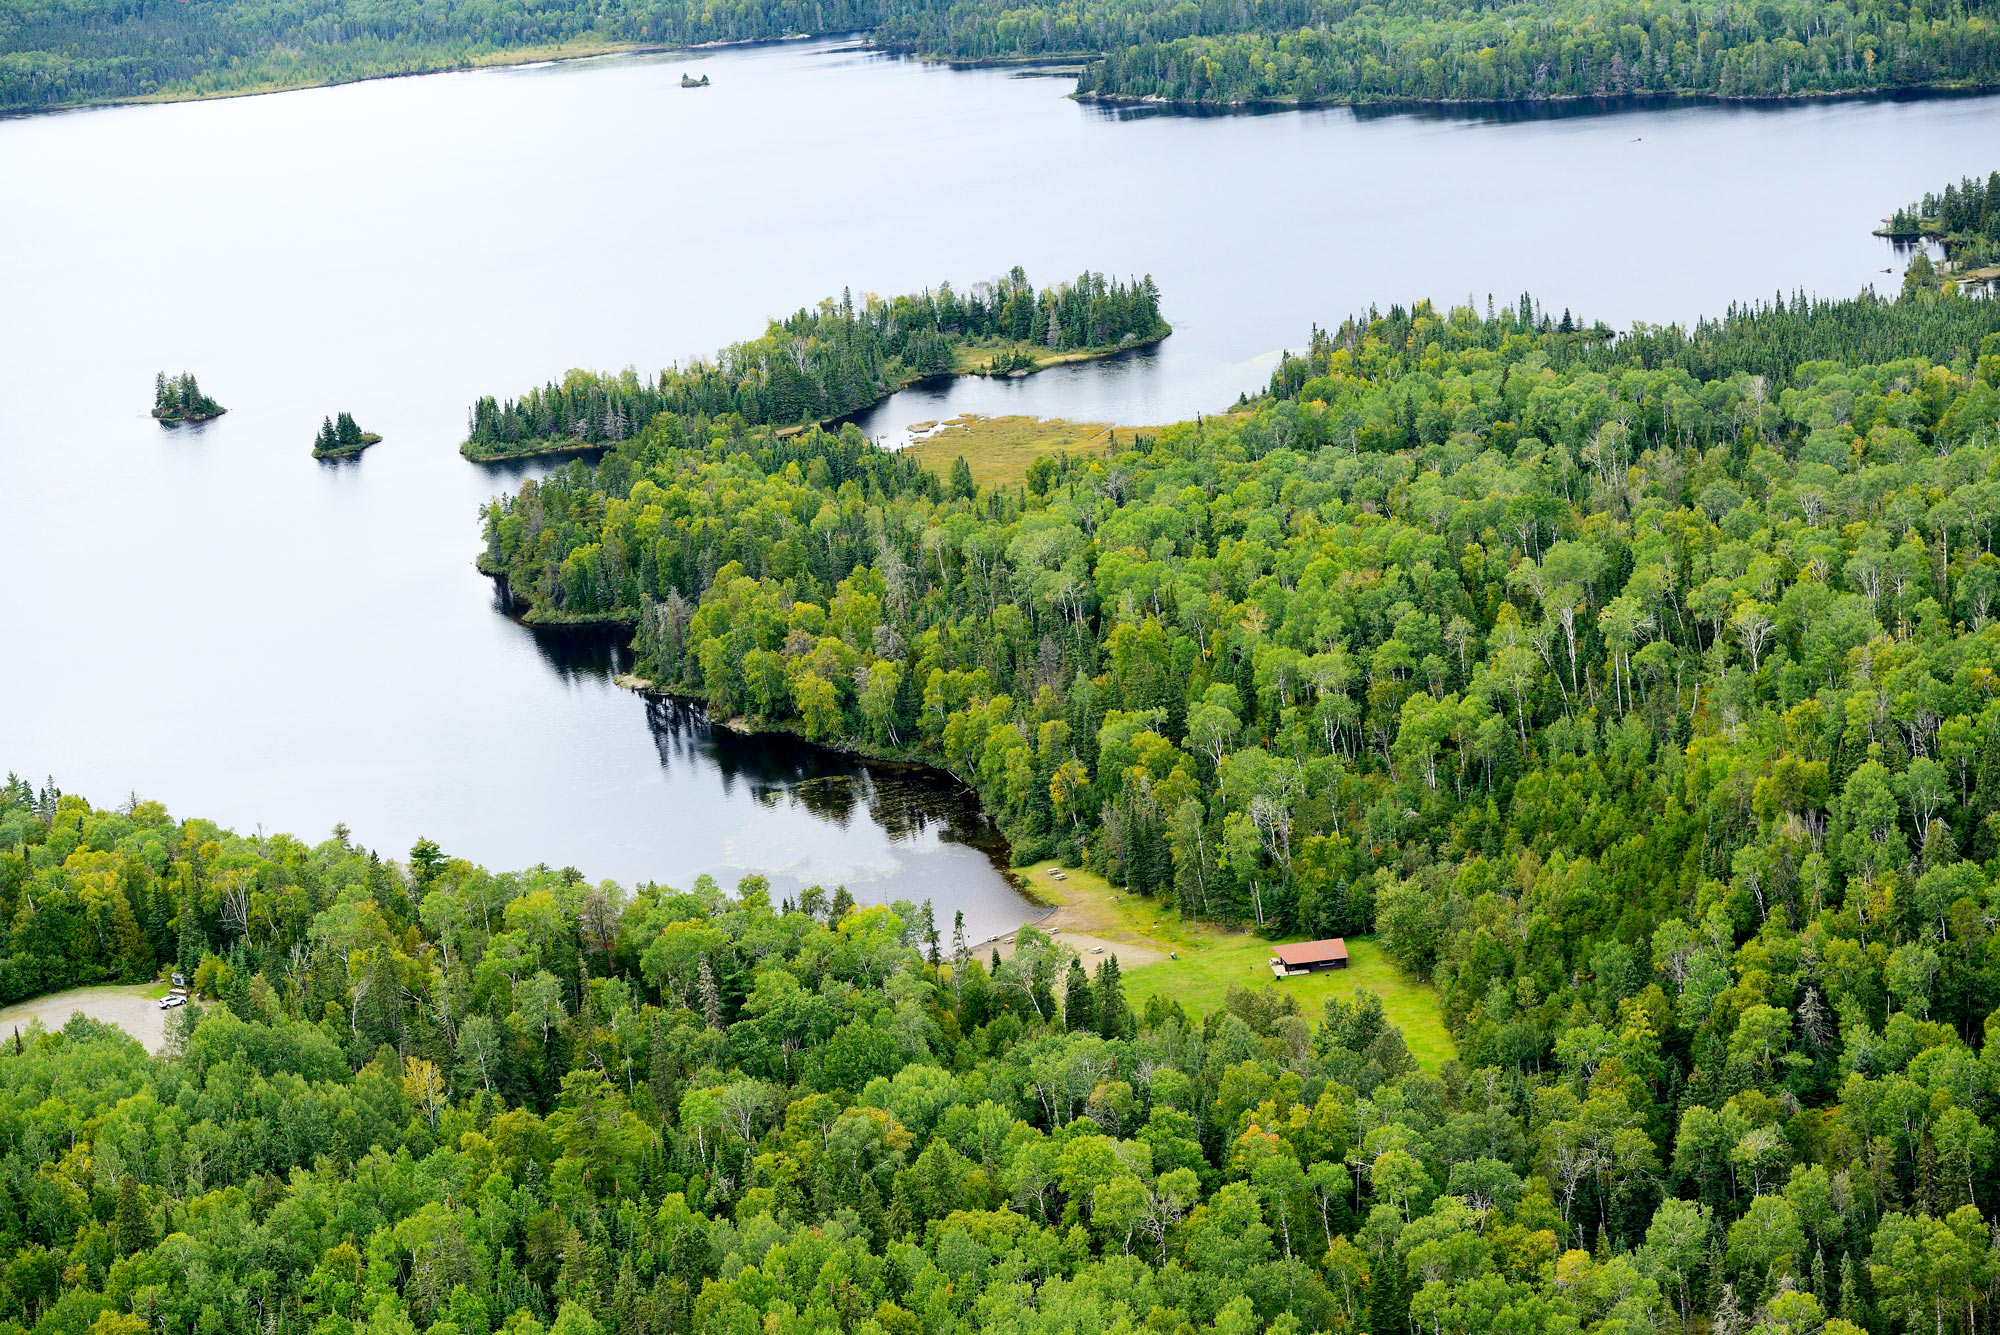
{"type": "Point", "coordinates": [1078, 1010]}
{"type": "Point", "coordinates": [1388, 1303]}
{"type": "Point", "coordinates": [130, 1228]}
{"type": "Point", "coordinates": [1114, 1014]}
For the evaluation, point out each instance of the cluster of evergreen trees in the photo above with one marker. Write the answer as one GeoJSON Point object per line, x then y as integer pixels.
{"type": "Point", "coordinates": [1966, 218]}
{"type": "Point", "coordinates": [836, 359]}
{"type": "Point", "coordinates": [179, 399]}
{"type": "Point", "coordinates": [341, 436]}
{"type": "Point", "coordinates": [1432, 50]}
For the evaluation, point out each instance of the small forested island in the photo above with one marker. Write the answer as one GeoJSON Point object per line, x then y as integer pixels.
{"type": "Point", "coordinates": [689, 81]}
{"type": "Point", "coordinates": [831, 361]}
{"type": "Point", "coordinates": [1965, 219]}
{"type": "Point", "coordinates": [178, 399]}
{"type": "Point", "coordinates": [340, 438]}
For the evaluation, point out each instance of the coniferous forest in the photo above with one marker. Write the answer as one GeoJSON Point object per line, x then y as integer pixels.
{"type": "Point", "coordinates": [179, 399]}
{"type": "Point", "coordinates": [60, 52]}
{"type": "Point", "coordinates": [1965, 218]}
{"type": "Point", "coordinates": [342, 437]}
{"type": "Point", "coordinates": [829, 361]}
{"type": "Point", "coordinates": [1638, 690]}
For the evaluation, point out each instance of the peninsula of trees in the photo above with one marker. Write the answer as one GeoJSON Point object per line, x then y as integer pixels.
{"type": "Point", "coordinates": [179, 399]}
{"type": "Point", "coordinates": [830, 361]}
{"type": "Point", "coordinates": [1197, 53]}
{"type": "Point", "coordinates": [341, 438]}
{"type": "Point", "coordinates": [1965, 219]}
{"type": "Point", "coordinates": [1641, 692]}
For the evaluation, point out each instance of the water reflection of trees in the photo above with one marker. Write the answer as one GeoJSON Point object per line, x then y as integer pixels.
{"type": "Point", "coordinates": [906, 803]}
{"type": "Point", "coordinates": [580, 653]}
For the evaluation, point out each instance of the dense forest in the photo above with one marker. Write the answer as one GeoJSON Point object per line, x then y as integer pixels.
{"type": "Point", "coordinates": [179, 399]}
{"type": "Point", "coordinates": [61, 52]}
{"type": "Point", "coordinates": [829, 361]}
{"type": "Point", "coordinates": [341, 438]}
{"type": "Point", "coordinates": [1965, 218]}
{"type": "Point", "coordinates": [1432, 50]}
{"type": "Point", "coordinates": [1641, 691]}
{"type": "Point", "coordinates": [56, 52]}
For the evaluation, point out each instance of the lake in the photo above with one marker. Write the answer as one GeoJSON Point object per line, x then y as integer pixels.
{"type": "Point", "coordinates": [210, 617]}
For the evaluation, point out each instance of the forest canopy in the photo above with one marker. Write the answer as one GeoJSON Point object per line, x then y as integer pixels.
{"type": "Point", "coordinates": [1640, 692]}
{"type": "Point", "coordinates": [829, 361]}
{"type": "Point", "coordinates": [1202, 52]}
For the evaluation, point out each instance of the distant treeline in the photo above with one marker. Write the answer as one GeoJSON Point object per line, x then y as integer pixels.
{"type": "Point", "coordinates": [1771, 340]}
{"type": "Point", "coordinates": [825, 362]}
{"type": "Point", "coordinates": [1206, 52]}
{"type": "Point", "coordinates": [58, 52]}
{"type": "Point", "coordinates": [1435, 50]}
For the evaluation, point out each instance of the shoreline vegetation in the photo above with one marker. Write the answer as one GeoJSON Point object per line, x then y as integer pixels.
{"type": "Point", "coordinates": [1641, 99]}
{"type": "Point", "coordinates": [341, 438]}
{"type": "Point", "coordinates": [178, 400]}
{"type": "Point", "coordinates": [821, 365]}
{"type": "Point", "coordinates": [1299, 53]}
{"type": "Point", "coordinates": [920, 618]}
{"type": "Point", "coordinates": [1965, 220]}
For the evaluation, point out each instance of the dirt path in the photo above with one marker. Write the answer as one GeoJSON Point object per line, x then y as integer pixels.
{"type": "Point", "coordinates": [1084, 926]}
{"type": "Point", "coordinates": [128, 1007]}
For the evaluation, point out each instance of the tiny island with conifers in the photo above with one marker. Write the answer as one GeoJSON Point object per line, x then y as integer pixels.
{"type": "Point", "coordinates": [178, 399]}
{"type": "Point", "coordinates": [823, 364]}
{"type": "Point", "coordinates": [341, 438]}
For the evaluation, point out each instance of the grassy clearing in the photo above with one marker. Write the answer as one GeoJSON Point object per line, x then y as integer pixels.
{"type": "Point", "coordinates": [973, 357]}
{"type": "Point", "coordinates": [1213, 960]}
{"type": "Point", "coordinates": [999, 449]}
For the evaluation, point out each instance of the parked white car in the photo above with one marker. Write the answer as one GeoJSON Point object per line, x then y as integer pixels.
{"type": "Point", "coordinates": [168, 1003]}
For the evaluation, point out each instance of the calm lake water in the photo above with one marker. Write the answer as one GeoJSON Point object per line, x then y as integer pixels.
{"type": "Point", "coordinates": [212, 618]}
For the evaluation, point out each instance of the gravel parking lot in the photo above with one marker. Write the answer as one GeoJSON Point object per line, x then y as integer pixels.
{"type": "Point", "coordinates": [130, 1008]}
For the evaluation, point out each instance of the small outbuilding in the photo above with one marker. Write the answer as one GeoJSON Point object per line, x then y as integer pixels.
{"type": "Point", "coordinates": [1310, 957]}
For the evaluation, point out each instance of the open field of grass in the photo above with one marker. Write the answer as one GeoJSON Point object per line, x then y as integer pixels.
{"type": "Point", "coordinates": [999, 449]}
{"type": "Point", "coordinates": [974, 356]}
{"type": "Point", "coordinates": [1089, 909]}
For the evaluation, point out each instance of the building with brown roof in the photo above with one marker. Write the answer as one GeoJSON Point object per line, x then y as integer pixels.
{"type": "Point", "coordinates": [1310, 957]}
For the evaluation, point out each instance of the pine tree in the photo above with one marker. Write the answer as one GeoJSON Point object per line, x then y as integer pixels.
{"type": "Point", "coordinates": [1114, 1014]}
{"type": "Point", "coordinates": [1388, 1302]}
{"type": "Point", "coordinates": [1078, 1010]}
{"type": "Point", "coordinates": [927, 926]}
{"type": "Point", "coordinates": [327, 439]}
{"type": "Point", "coordinates": [346, 431]}
{"type": "Point", "coordinates": [129, 1225]}
{"type": "Point", "coordinates": [843, 904]}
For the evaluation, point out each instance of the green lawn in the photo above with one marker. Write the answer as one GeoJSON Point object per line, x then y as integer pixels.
{"type": "Point", "coordinates": [1211, 960]}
